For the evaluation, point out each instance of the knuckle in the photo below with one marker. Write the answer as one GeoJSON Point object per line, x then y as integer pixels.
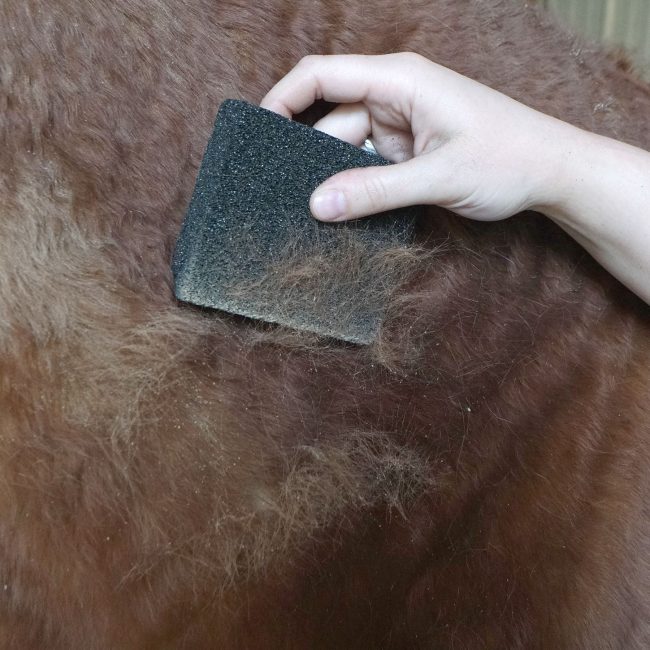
{"type": "Point", "coordinates": [308, 61]}
{"type": "Point", "coordinates": [376, 192]}
{"type": "Point", "coordinates": [411, 57]}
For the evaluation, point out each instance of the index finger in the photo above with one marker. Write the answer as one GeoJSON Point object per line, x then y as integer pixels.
{"type": "Point", "coordinates": [344, 78]}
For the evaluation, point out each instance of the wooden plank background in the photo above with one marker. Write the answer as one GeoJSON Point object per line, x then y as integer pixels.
{"type": "Point", "coordinates": [619, 22]}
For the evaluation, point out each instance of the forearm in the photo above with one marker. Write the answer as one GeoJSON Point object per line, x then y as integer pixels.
{"type": "Point", "coordinates": [603, 200]}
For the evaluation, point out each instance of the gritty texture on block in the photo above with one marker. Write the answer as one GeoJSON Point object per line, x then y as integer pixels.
{"type": "Point", "coordinates": [250, 246]}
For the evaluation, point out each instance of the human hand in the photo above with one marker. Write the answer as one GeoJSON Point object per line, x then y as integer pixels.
{"type": "Point", "coordinates": [466, 147]}
{"type": "Point", "coordinates": [458, 144]}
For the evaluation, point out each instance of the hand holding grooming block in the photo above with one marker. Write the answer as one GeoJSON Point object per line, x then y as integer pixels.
{"type": "Point", "coordinates": [250, 246]}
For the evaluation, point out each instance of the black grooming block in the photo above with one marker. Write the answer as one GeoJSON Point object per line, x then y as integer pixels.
{"type": "Point", "coordinates": [250, 246]}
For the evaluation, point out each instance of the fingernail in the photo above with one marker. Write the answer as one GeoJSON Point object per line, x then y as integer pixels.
{"type": "Point", "coordinates": [328, 205]}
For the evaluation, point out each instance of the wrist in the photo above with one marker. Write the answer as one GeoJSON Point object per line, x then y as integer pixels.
{"type": "Point", "coordinates": [567, 160]}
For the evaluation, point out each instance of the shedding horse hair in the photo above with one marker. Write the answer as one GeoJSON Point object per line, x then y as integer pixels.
{"type": "Point", "coordinates": [172, 477]}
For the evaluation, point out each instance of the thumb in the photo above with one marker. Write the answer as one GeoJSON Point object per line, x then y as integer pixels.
{"type": "Point", "coordinates": [368, 190]}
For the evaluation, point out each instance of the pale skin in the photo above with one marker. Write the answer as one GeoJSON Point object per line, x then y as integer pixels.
{"type": "Point", "coordinates": [468, 148]}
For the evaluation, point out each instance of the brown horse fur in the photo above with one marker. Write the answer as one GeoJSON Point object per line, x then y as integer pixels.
{"type": "Point", "coordinates": [178, 478]}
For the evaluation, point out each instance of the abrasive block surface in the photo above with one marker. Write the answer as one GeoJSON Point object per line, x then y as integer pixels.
{"type": "Point", "coordinates": [250, 246]}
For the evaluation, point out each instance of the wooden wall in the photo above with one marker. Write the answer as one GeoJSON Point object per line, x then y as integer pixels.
{"type": "Point", "coordinates": [621, 22]}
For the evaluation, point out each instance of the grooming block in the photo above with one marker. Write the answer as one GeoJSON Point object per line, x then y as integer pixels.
{"type": "Point", "coordinates": [250, 246]}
